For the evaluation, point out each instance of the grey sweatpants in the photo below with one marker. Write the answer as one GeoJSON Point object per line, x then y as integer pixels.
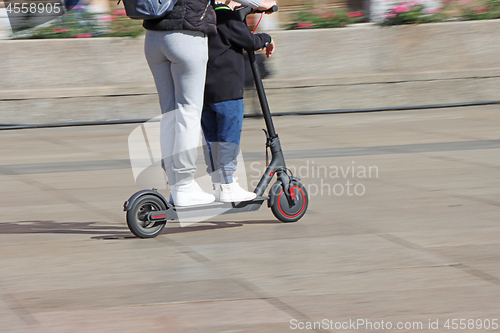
{"type": "Point", "coordinates": [178, 61]}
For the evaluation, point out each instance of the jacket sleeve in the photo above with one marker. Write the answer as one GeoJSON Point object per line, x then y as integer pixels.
{"type": "Point", "coordinates": [241, 36]}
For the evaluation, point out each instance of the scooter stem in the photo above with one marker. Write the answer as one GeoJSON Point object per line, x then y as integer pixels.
{"type": "Point", "coordinates": [277, 164]}
{"type": "Point", "coordinates": [262, 95]}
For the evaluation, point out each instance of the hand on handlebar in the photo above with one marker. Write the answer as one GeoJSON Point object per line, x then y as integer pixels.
{"type": "Point", "coordinates": [266, 5]}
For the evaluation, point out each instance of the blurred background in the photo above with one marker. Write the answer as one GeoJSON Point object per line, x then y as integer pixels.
{"type": "Point", "coordinates": [393, 54]}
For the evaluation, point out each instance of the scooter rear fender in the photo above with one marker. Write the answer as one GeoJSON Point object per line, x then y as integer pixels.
{"type": "Point", "coordinates": [128, 204]}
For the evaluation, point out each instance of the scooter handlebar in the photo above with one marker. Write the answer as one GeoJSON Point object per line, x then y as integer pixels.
{"type": "Point", "coordinates": [270, 10]}
{"type": "Point", "coordinates": [243, 11]}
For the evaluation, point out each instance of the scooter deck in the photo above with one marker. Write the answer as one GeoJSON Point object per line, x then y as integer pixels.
{"type": "Point", "coordinates": [211, 209]}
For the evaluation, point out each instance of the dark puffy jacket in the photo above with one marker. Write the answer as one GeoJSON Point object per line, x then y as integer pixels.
{"type": "Point", "coordinates": [195, 15]}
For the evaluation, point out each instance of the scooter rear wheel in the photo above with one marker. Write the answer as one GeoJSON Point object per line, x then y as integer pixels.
{"type": "Point", "coordinates": [137, 216]}
{"type": "Point", "coordinates": [283, 210]}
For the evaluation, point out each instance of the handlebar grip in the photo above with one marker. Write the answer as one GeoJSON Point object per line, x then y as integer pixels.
{"type": "Point", "coordinates": [270, 10]}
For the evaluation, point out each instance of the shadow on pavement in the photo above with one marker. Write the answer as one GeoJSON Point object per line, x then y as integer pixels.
{"type": "Point", "coordinates": [175, 228]}
{"type": "Point", "coordinates": [110, 232]}
{"type": "Point", "coordinates": [52, 227]}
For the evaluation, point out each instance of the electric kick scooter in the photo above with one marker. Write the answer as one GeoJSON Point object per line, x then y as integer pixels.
{"type": "Point", "coordinates": [148, 211]}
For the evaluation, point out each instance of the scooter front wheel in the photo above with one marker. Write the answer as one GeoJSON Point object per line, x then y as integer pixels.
{"type": "Point", "coordinates": [137, 216]}
{"type": "Point", "coordinates": [281, 207]}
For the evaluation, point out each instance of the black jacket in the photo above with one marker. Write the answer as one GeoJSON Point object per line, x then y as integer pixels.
{"type": "Point", "coordinates": [195, 15]}
{"type": "Point", "coordinates": [226, 69]}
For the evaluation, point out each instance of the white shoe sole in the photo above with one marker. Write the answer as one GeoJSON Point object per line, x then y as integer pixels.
{"type": "Point", "coordinates": [246, 198]}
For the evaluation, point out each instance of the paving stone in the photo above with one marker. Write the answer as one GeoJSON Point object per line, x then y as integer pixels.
{"type": "Point", "coordinates": [420, 244]}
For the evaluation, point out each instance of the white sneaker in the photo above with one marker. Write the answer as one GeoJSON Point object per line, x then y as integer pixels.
{"type": "Point", "coordinates": [234, 193]}
{"type": "Point", "coordinates": [216, 191]}
{"type": "Point", "coordinates": [190, 195]}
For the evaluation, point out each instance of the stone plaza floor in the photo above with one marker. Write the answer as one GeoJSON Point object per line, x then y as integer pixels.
{"type": "Point", "coordinates": [403, 229]}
